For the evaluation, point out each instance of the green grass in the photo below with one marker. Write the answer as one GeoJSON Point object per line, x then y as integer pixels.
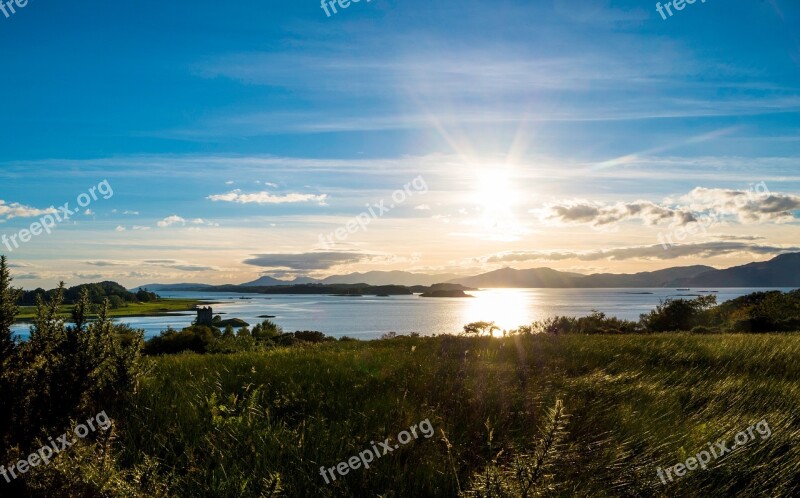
{"type": "Point", "coordinates": [152, 308]}
{"type": "Point", "coordinates": [222, 424]}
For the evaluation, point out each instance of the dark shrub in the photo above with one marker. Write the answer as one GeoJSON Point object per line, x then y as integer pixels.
{"type": "Point", "coordinates": [679, 314]}
{"type": "Point", "coordinates": [311, 336]}
{"type": "Point", "coordinates": [196, 338]}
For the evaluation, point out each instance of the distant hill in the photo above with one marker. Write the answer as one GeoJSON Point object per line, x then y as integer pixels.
{"type": "Point", "coordinates": [509, 277]}
{"type": "Point", "coordinates": [389, 278]}
{"type": "Point", "coordinates": [171, 287]}
{"type": "Point", "coordinates": [266, 281]}
{"type": "Point", "coordinates": [781, 271]}
{"type": "Point", "coordinates": [335, 289]}
{"type": "Point", "coordinates": [660, 278]}
{"type": "Point", "coordinates": [369, 278]}
{"type": "Point", "coordinates": [98, 292]}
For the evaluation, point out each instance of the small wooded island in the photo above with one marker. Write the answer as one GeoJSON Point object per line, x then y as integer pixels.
{"type": "Point", "coordinates": [446, 293]}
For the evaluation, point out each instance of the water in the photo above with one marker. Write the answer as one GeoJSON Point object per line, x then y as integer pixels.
{"type": "Point", "coordinates": [369, 317]}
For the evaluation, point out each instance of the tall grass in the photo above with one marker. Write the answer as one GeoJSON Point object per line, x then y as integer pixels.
{"type": "Point", "coordinates": [261, 424]}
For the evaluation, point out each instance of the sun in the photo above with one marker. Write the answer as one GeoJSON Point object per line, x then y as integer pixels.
{"type": "Point", "coordinates": [496, 197]}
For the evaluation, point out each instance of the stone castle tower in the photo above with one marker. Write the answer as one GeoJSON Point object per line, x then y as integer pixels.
{"type": "Point", "coordinates": [205, 316]}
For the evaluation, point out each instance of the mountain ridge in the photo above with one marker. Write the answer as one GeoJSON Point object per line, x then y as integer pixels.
{"type": "Point", "coordinates": [780, 271]}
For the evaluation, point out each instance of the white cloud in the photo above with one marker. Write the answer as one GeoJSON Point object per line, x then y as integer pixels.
{"type": "Point", "coordinates": [17, 210]}
{"type": "Point", "coordinates": [757, 205]}
{"type": "Point", "coordinates": [201, 221]}
{"type": "Point", "coordinates": [120, 228]}
{"type": "Point", "coordinates": [582, 212]}
{"type": "Point", "coordinates": [171, 220]}
{"type": "Point", "coordinates": [267, 198]}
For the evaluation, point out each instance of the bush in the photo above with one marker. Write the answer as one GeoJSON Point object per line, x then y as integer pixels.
{"type": "Point", "coordinates": [266, 331]}
{"type": "Point", "coordinates": [679, 314]}
{"type": "Point", "coordinates": [312, 336]}
{"type": "Point", "coordinates": [197, 339]}
{"type": "Point", "coordinates": [61, 373]}
{"type": "Point", "coordinates": [596, 323]}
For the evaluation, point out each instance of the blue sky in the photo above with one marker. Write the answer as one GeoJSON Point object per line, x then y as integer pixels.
{"type": "Point", "coordinates": [552, 133]}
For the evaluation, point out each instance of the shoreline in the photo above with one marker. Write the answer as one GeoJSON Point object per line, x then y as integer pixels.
{"type": "Point", "coordinates": [166, 307]}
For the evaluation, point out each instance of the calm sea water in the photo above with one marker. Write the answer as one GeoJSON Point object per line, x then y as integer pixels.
{"type": "Point", "coordinates": [370, 317]}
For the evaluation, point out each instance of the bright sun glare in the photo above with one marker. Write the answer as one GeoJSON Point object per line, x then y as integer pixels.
{"type": "Point", "coordinates": [497, 197]}
{"type": "Point", "coordinates": [509, 308]}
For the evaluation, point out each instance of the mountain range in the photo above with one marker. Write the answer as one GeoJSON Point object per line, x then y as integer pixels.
{"type": "Point", "coordinates": [781, 271]}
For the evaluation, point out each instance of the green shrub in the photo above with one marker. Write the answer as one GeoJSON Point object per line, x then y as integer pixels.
{"type": "Point", "coordinates": [678, 314]}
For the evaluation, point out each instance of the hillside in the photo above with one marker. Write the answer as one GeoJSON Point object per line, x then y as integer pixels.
{"type": "Point", "coordinates": [781, 271]}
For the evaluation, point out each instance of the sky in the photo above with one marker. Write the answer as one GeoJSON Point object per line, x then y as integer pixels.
{"type": "Point", "coordinates": [216, 142]}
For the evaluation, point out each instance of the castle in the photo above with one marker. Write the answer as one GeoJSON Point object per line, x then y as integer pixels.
{"type": "Point", "coordinates": [205, 316]}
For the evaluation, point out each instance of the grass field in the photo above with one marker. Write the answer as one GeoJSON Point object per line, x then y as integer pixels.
{"type": "Point", "coordinates": [152, 308]}
{"type": "Point", "coordinates": [225, 424]}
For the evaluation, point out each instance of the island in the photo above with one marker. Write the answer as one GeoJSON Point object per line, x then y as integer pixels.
{"type": "Point", "coordinates": [446, 293]}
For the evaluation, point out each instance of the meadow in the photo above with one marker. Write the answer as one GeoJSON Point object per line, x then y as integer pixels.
{"type": "Point", "coordinates": [567, 406]}
{"type": "Point", "coordinates": [151, 308]}
{"type": "Point", "coordinates": [252, 424]}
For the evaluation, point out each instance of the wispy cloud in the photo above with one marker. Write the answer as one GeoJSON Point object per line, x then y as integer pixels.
{"type": "Point", "coordinates": [179, 265]}
{"type": "Point", "coordinates": [306, 261]}
{"type": "Point", "coordinates": [240, 197]}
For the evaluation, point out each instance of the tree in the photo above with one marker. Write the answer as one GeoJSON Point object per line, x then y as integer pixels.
{"type": "Point", "coordinates": [116, 302]}
{"type": "Point", "coordinates": [266, 331]}
{"type": "Point", "coordinates": [9, 297]}
{"type": "Point", "coordinates": [80, 313]}
{"type": "Point", "coordinates": [480, 328]}
{"type": "Point", "coordinates": [144, 296]}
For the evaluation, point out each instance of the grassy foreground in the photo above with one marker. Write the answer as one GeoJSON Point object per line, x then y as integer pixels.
{"type": "Point", "coordinates": [229, 425]}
